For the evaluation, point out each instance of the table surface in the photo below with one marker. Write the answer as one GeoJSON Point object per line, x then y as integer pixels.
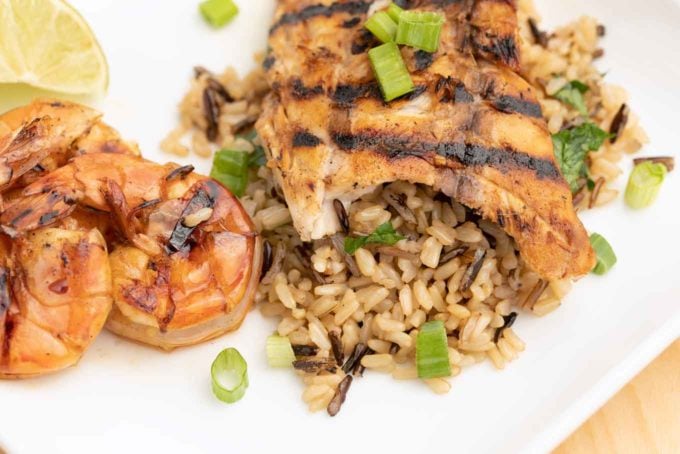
{"type": "Point", "coordinates": [643, 417]}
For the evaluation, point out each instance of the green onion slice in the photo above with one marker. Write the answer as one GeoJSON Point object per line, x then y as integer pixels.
{"type": "Point", "coordinates": [644, 184]}
{"type": "Point", "coordinates": [382, 26]}
{"type": "Point", "coordinates": [229, 374]}
{"type": "Point", "coordinates": [432, 351]}
{"type": "Point", "coordinates": [218, 13]}
{"type": "Point", "coordinates": [420, 29]}
{"type": "Point", "coordinates": [606, 258]}
{"type": "Point", "coordinates": [231, 169]}
{"type": "Point", "coordinates": [279, 351]}
{"type": "Point", "coordinates": [391, 71]}
{"type": "Point", "coordinates": [394, 11]}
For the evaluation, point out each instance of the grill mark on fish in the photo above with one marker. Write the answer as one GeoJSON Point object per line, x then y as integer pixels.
{"type": "Point", "coordinates": [268, 62]}
{"type": "Point", "coordinates": [451, 90]}
{"type": "Point", "coordinates": [309, 12]}
{"type": "Point", "coordinates": [305, 139]}
{"type": "Point", "coordinates": [396, 147]}
{"type": "Point", "coordinates": [363, 42]}
{"type": "Point", "coordinates": [513, 104]}
{"type": "Point", "coordinates": [503, 48]}
{"type": "Point", "coordinates": [351, 23]}
{"type": "Point", "coordinates": [300, 91]}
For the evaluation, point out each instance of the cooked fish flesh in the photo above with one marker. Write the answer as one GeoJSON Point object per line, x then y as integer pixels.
{"type": "Point", "coordinates": [472, 128]}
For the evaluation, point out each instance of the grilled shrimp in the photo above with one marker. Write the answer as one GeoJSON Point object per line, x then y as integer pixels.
{"type": "Point", "coordinates": [44, 135]}
{"type": "Point", "coordinates": [187, 258]}
{"type": "Point", "coordinates": [55, 295]}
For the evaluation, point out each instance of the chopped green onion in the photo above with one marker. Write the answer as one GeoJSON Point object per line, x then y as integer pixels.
{"type": "Point", "coordinates": [257, 158]}
{"type": "Point", "coordinates": [218, 13]}
{"type": "Point", "coordinates": [382, 26]}
{"type": "Point", "coordinates": [420, 29]}
{"type": "Point", "coordinates": [432, 351]}
{"type": "Point", "coordinates": [384, 234]}
{"type": "Point", "coordinates": [231, 169]}
{"type": "Point", "coordinates": [394, 11]}
{"type": "Point", "coordinates": [391, 71]}
{"type": "Point", "coordinates": [279, 351]}
{"type": "Point", "coordinates": [604, 252]}
{"type": "Point", "coordinates": [644, 184]}
{"type": "Point", "coordinates": [229, 374]}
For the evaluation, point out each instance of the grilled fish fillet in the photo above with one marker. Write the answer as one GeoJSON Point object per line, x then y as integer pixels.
{"type": "Point", "coordinates": [472, 129]}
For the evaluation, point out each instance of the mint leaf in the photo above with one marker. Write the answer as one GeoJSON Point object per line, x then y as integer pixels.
{"type": "Point", "coordinates": [571, 147]}
{"type": "Point", "coordinates": [384, 234]}
{"type": "Point", "coordinates": [572, 94]}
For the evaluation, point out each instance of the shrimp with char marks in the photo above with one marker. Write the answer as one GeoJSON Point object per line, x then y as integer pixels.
{"type": "Point", "coordinates": [188, 258]}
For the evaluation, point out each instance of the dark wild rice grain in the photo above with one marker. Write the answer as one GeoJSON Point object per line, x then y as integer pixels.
{"type": "Point", "coordinates": [340, 396]}
{"type": "Point", "coordinates": [668, 161]}
{"type": "Point", "coordinates": [619, 123]}
{"type": "Point", "coordinates": [535, 294]}
{"type": "Point", "coordinates": [336, 344]}
{"type": "Point", "coordinates": [305, 350]}
{"type": "Point", "coordinates": [539, 36]}
{"type": "Point", "coordinates": [211, 112]}
{"type": "Point", "coordinates": [452, 254]}
{"type": "Point", "coordinates": [342, 215]}
{"type": "Point", "coordinates": [355, 358]}
{"type": "Point", "coordinates": [267, 258]}
{"type": "Point", "coordinates": [508, 321]}
{"type": "Point", "coordinates": [315, 365]}
{"type": "Point", "coordinates": [595, 193]}
{"type": "Point", "coordinates": [473, 269]}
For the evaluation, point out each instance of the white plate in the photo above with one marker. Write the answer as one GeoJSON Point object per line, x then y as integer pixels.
{"type": "Point", "coordinates": [123, 397]}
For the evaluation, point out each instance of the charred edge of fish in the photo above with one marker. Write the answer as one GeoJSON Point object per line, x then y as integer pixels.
{"type": "Point", "coordinates": [305, 139]}
{"type": "Point", "coordinates": [268, 62]}
{"type": "Point", "coordinates": [508, 321]}
{"type": "Point", "coordinates": [315, 365]}
{"type": "Point", "coordinates": [473, 269]}
{"type": "Point", "coordinates": [513, 104]}
{"type": "Point", "coordinates": [452, 90]}
{"type": "Point", "coordinates": [309, 12]}
{"type": "Point", "coordinates": [395, 147]}
{"type": "Point", "coordinates": [5, 298]}
{"type": "Point", "coordinates": [540, 37]}
{"type": "Point", "coordinates": [211, 112]}
{"type": "Point", "coordinates": [452, 254]}
{"type": "Point", "coordinates": [364, 41]}
{"type": "Point", "coordinates": [351, 23]}
{"type": "Point", "coordinates": [619, 123]}
{"type": "Point", "coordinates": [502, 48]}
{"type": "Point", "coordinates": [181, 233]}
{"type": "Point", "coordinates": [305, 350]}
{"type": "Point", "coordinates": [340, 396]}
{"type": "Point", "coordinates": [336, 346]}
{"type": "Point", "coordinates": [341, 213]}
{"type": "Point", "coordinates": [180, 172]}
{"type": "Point", "coordinates": [355, 358]}
{"type": "Point", "coordinates": [300, 91]}
{"type": "Point", "coordinates": [267, 258]}
{"type": "Point", "coordinates": [423, 59]}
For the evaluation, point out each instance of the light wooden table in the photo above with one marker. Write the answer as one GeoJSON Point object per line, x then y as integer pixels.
{"type": "Point", "coordinates": [644, 417]}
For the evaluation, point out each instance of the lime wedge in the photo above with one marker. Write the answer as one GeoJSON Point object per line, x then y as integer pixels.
{"type": "Point", "coordinates": [47, 44]}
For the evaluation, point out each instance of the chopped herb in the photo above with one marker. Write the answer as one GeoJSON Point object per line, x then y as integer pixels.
{"type": "Point", "coordinates": [384, 234]}
{"type": "Point", "coordinates": [571, 147]}
{"type": "Point", "coordinates": [572, 94]}
{"type": "Point", "coordinates": [230, 168]}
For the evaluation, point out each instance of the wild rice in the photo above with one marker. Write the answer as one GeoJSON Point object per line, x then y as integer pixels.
{"type": "Point", "coordinates": [452, 266]}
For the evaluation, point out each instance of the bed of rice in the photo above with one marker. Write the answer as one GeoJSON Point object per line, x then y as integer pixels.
{"type": "Point", "coordinates": [317, 299]}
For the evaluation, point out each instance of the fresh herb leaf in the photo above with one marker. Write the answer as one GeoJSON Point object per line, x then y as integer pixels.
{"type": "Point", "coordinates": [572, 94]}
{"type": "Point", "coordinates": [384, 234]}
{"type": "Point", "coordinates": [571, 147]}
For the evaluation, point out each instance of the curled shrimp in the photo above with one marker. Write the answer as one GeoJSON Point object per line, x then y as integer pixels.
{"type": "Point", "coordinates": [186, 260]}
{"type": "Point", "coordinates": [55, 296]}
{"type": "Point", "coordinates": [55, 282]}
